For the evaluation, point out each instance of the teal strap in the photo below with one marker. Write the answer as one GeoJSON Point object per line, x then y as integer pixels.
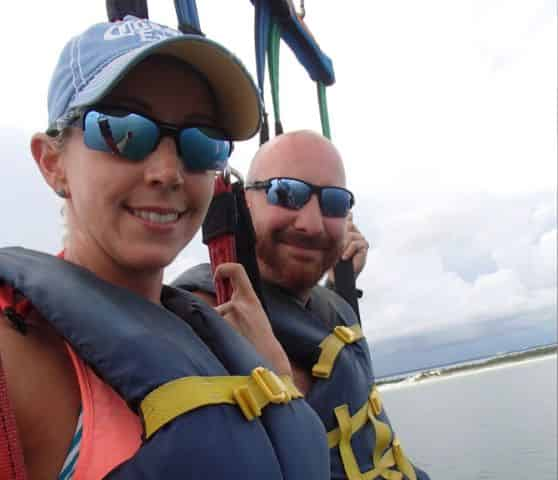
{"type": "Point", "coordinates": [324, 116]}
{"type": "Point", "coordinates": [273, 62]}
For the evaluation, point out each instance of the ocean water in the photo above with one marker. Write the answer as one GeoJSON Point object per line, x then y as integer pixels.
{"type": "Point", "coordinates": [493, 424]}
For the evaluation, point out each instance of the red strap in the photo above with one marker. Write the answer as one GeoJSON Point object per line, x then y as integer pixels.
{"type": "Point", "coordinates": [9, 300]}
{"type": "Point", "coordinates": [222, 249]}
{"type": "Point", "coordinates": [12, 466]}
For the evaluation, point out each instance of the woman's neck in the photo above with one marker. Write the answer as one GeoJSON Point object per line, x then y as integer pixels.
{"type": "Point", "coordinates": [146, 283]}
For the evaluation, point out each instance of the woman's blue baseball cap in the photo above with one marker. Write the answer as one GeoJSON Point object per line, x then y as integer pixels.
{"type": "Point", "coordinates": [92, 63]}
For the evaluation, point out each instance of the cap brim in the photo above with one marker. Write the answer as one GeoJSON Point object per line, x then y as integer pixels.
{"type": "Point", "coordinates": [236, 93]}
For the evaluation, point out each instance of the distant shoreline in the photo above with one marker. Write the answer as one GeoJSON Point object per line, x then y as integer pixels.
{"type": "Point", "coordinates": [411, 378]}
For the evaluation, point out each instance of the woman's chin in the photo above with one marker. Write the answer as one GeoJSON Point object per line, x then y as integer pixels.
{"type": "Point", "coordinates": [152, 259]}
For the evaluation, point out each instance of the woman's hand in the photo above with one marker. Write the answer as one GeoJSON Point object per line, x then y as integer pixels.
{"type": "Point", "coordinates": [245, 314]}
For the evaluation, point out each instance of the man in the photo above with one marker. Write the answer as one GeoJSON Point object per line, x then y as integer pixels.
{"type": "Point", "coordinates": [300, 211]}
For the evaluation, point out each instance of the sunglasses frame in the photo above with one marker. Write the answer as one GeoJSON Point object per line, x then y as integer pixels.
{"type": "Point", "coordinates": [164, 130]}
{"type": "Point", "coordinates": [314, 189]}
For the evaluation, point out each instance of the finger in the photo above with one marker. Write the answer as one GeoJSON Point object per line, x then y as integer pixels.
{"type": "Point", "coordinates": [236, 274]}
{"type": "Point", "coordinates": [355, 247]}
{"type": "Point", "coordinates": [351, 238]}
{"type": "Point", "coordinates": [223, 309]}
{"type": "Point", "coordinates": [353, 228]}
{"type": "Point", "coordinates": [227, 312]}
{"type": "Point", "coordinates": [359, 260]}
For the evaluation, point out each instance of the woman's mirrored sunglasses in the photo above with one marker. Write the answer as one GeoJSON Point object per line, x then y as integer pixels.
{"type": "Point", "coordinates": [293, 194]}
{"type": "Point", "coordinates": [134, 136]}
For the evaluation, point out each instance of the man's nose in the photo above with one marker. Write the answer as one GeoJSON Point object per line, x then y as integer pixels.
{"type": "Point", "coordinates": [164, 167]}
{"type": "Point", "coordinates": [309, 218]}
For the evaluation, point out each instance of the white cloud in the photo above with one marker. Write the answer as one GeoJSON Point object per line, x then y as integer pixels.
{"type": "Point", "coordinates": [458, 259]}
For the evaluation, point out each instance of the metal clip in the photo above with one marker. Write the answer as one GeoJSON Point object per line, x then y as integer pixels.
{"type": "Point", "coordinates": [230, 171]}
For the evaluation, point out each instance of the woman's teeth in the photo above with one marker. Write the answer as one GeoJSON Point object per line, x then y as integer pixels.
{"type": "Point", "coordinates": [155, 217]}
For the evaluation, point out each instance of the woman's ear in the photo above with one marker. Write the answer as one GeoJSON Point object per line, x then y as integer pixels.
{"type": "Point", "coordinates": [49, 159]}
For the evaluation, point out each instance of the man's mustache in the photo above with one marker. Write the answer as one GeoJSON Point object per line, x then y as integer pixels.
{"type": "Point", "coordinates": [302, 240]}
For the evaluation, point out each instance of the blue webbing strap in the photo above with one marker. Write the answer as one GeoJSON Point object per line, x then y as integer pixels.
{"type": "Point", "coordinates": [262, 20]}
{"type": "Point", "coordinates": [295, 33]}
{"type": "Point", "coordinates": [187, 13]}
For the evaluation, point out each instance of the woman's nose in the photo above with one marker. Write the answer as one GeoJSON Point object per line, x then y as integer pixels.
{"type": "Point", "coordinates": [163, 166]}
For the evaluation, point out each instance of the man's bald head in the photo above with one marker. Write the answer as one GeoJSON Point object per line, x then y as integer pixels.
{"type": "Point", "coordinates": [295, 247]}
{"type": "Point", "coordinates": [302, 154]}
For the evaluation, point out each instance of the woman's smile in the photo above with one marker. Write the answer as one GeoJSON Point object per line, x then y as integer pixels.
{"type": "Point", "coordinates": [159, 218]}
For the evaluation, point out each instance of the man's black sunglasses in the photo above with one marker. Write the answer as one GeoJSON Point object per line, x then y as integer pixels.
{"type": "Point", "coordinates": [293, 193]}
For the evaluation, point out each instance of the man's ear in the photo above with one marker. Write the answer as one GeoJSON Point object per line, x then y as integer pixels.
{"type": "Point", "coordinates": [49, 160]}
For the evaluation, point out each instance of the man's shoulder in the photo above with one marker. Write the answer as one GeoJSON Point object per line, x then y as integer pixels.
{"type": "Point", "coordinates": [197, 278]}
{"type": "Point", "coordinates": [326, 301]}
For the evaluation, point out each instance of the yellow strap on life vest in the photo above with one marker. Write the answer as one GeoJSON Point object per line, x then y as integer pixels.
{"type": "Point", "coordinates": [332, 345]}
{"type": "Point", "coordinates": [251, 393]}
{"type": "Point", "coordinates": [390, 463]}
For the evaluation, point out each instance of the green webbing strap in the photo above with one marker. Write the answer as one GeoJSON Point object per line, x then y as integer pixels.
{"type": "Point", "coordinates": [324, 116]}
{"type": "Point", "coordinates": [273, 62]}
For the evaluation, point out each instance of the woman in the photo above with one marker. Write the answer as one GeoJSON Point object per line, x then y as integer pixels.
{"type": "Point", "coordinates": [109, 372]}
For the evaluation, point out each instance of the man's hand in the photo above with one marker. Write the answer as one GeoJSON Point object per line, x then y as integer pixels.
{"type": "Point", "coordinates": [245, 314]}
{"type": "Point", "coordinates": [355, 248]}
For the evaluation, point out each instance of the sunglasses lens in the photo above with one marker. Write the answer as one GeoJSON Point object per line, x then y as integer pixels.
{"type": "Point", "coordinates": [335, 202]}
{"type": "Point", "coordinates": [203, 148]}
{"type": "Point", "coordinates": [131, 135]}
{"type": "Point", "coordinates": [288, 193]}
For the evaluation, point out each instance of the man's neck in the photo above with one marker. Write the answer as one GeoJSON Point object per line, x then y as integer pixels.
{"type": "Point", "coordinates": [302, 296]}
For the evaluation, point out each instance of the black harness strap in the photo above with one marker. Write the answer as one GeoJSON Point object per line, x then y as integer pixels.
{"type": "Point", "coordinates": [246, 241]}
{"type": "Point", "coordinates": [345, 285]}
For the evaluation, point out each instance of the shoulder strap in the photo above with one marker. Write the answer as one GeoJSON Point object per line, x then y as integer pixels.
{"type": "Point", "coordinates": [345, 284]}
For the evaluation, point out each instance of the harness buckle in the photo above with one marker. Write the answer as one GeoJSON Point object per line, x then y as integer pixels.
{"type": "Point", "coordinates": [271, 385]}
{"type": "Point", "coordinates": [345, 334]}
{"type": "Point", "coordinates": [247, 402]}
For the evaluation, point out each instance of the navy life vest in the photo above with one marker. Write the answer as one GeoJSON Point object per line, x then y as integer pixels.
{"type": "Point", "coordinates": [362, 442]}
{"type": "Point", "coordinates": [136, 346]}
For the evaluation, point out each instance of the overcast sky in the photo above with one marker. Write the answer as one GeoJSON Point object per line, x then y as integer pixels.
{"type": "Point", "coordinates": [445, 113]}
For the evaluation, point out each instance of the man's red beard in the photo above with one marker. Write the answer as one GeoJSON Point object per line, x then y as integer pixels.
{"type": "Point", "coordinates": [298, 275]}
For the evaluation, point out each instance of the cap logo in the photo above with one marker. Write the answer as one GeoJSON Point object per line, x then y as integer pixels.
{"type": "Point", "coordinates": [144, 29]}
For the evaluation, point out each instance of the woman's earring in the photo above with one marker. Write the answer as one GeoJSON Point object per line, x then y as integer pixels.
{"type": "Point", "coordinates": [61, 193]}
